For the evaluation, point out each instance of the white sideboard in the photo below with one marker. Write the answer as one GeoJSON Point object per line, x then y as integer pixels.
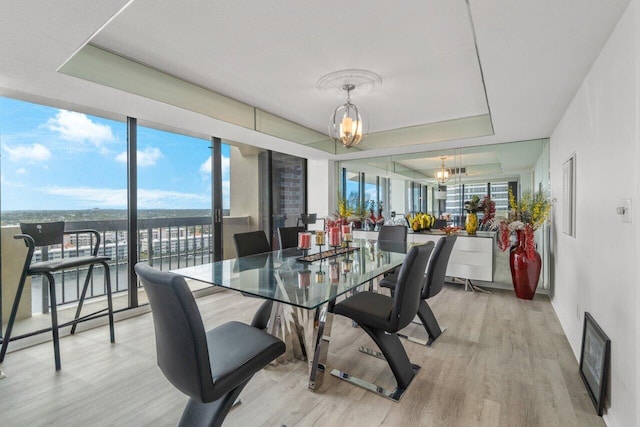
{"type": "Point", "coordinates": [472, 256]}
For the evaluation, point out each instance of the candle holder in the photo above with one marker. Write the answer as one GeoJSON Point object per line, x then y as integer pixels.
{"type": "Point", "coordinates": [347, 238]}
{"type": "Point", "coordinates": [304, 242]}
{"type": "Point", "coordinates": [304, 279]}
{"type": "Point", "coordinates": [335, 239]}
{"type": "Point", "coordinates": [334, 272]}
{"type": "Point", "coordinates": [320, 275]}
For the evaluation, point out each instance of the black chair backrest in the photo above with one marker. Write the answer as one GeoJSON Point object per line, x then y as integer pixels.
{"type": "Point", "coordinates": [288, 236]}
{"type": "Point", "coordinates": [406, 296]}
{"type": "Point", "coordinates": [251, 243]}
{"type": "Point", "coordinates": [393, 233]}
{"type": "Point", "coordinates": [308, 218]}
{"type": "Point", "coordinates": [44, 233]}
{"type": "Point", "coordinates": [181, 343]}
{"type": "Point", "coordinates": [439, 223]}
{"type": "Point", "coordinates": [438, 266]}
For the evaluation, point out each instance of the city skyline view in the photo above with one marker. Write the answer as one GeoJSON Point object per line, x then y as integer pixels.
{"type": "Point", "coordinates": [53, 159]}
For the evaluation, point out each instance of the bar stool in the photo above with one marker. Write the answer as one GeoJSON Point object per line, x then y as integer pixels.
{"type": "Point", "coordinates": [44, 235]}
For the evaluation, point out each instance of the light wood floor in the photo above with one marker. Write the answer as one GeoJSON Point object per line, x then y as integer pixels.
{"type": "Point", "coordinates": [501, 362]}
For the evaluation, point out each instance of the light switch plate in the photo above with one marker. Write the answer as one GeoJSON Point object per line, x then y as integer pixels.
{"type": "Point", "coordinates": [626, 205]}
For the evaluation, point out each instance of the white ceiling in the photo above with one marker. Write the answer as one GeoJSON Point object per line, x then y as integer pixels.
{"type": "Point", "coordinates": [533, 55]}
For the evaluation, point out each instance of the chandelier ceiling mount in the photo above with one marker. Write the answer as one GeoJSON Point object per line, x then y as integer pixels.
{"type": "Point", "coordinates": [347, 125]}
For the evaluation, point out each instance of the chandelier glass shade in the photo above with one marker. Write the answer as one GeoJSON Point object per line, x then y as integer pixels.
{"type": "Point", "coordinates": [346, 124]}
{"type": "Point", "coordinates": [442, 175]}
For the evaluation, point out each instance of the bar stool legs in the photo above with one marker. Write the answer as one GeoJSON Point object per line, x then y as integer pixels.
{"type": "Point", "coordinates": [54, 313]}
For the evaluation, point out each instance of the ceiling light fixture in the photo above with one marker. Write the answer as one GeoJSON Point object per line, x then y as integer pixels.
{"type": "Point", "coordinates": [347, 125]}
{"type": "Point", "coordinates": [442, 175]}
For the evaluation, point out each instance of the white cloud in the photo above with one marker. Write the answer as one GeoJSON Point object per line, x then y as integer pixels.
{"type": "Point", "coordinates": [205, 168]}
{"type": "Point", "coordinates": [21, 171]}
{"type": "Point", "coordinates": [170, 199]}
{"type": "Point", "coordinates": [117, 198]}
{"type": "Point", "coordinates": [30, 153]}
{"type": "Point", "coordinates": [147, 157]}
{"type": "Point", "coordinates": [78, 127]}
{"type": "Point", "coordinates": [92, 197]}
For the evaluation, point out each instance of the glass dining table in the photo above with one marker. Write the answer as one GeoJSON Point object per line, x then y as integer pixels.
{"type": "Point", "coordinates": [304, 285]}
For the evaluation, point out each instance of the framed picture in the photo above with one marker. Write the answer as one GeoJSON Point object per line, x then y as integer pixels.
{"type": "Point", "coordinates": [594, 361]}
{"type": "Point", "coordinates": [569, 196]}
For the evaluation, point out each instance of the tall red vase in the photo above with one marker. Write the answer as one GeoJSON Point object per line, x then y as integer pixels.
{"type": "Point", "coordinates": [525, 272]}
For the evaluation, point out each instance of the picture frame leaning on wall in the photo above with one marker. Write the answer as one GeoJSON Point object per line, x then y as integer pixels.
{"type": "Point", "coordinates": [594, 361]}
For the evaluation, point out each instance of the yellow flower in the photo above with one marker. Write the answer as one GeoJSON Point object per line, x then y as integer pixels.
{"type": "Point", "coordinates": [532, 208]}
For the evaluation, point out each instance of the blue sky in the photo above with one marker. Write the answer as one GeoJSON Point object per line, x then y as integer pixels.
{"type": "Point", "coordinates": [59, 159]}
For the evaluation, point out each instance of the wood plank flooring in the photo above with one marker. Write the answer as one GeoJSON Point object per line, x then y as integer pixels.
{"type": "Point", "coordinates": [501, 362]}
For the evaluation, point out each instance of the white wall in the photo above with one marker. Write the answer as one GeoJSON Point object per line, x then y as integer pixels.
{"type": "Point", "coordinates": [398, 196]}
{"type": "Point", "coordinates": [321, 188]}
{"type": "Point", "coordinates": [597, 270]}
{"type": "Point", "coordinates": [243, 191]}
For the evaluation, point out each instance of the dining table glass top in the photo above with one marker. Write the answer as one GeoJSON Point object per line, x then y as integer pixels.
{"type": "Point", "coordinates": [280, 276]}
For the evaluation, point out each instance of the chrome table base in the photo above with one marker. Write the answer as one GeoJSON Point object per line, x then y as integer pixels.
{"type": "Point", "coordinates": [394, 395]}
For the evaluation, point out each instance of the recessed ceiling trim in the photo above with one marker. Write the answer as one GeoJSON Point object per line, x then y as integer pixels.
{"type": "Point", "coordinates": [103, 67]}
{"type": "Point", "coordinates": [475, 45]}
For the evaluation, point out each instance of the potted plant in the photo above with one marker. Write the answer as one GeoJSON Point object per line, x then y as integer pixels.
{"type": "Point", "coordinates": [525, 216]}
{"type": "Point", "coordinates": [472, 206]}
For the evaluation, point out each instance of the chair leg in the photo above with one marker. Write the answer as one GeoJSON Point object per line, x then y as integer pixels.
{"type": "Point", "coordinates": [107, 276]}
{"type": "Point", "coordinates": [429, 321]}
{"type": "Point", "coordinates": [54, 320]}
{"type": "Point", "coordinates": [403, 370]}
{"type": "Point", "coordinates": [262, 315]}
{"type": "Point", "coordinates": [198, 414]}
{"type": "Point", "coordinates": [82, 296]}
{"type": "Point", "coordinates": [12, 318]}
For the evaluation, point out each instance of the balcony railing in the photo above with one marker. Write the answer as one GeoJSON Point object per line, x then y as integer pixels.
{"type": "Point", "coordinates": [165, 243]}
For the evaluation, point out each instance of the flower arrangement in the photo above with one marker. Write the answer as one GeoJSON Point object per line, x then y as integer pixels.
{"type": "Point", "coordinates": [488, 207]}
{"type": "Point", "coordinates": [349, 210]}
{"type": "Point", "coordinates": [473, 205]}
{"type": "Point", "coordinates": [526, 215]}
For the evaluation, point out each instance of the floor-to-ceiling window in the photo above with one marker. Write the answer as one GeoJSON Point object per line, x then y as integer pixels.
{"type": "Point", "coordinates": [61, 165]}
{"type": "Point", "coordinates": [287, 191]}
{"type": "Point", "coordinates": [92, 172]}
{"type": "Point", "coordinates": [174, 198]}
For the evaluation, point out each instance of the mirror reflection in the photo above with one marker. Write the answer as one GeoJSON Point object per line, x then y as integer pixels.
{"type": "Point", "coordinates": [439, 182]}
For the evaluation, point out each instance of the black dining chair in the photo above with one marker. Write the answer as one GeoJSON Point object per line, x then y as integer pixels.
{"type": "Point", "coordinates": [253, 243]}
{"type": "Point", "coordinates": [434, 281]}
{"type": "Point", "coordinates": [210, 367]}
{"type": "Point", "coordinates": [382, 316]}
{"type": "Point", "coordinates": [393, 233]}
{"type": "Point", "coordinates": [42, 235]}
{"type": "Point", "coordinates": [288, 237]}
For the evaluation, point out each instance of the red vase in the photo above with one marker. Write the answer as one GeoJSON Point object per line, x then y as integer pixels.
{"type": "Point", "coordinates": [525, 272]}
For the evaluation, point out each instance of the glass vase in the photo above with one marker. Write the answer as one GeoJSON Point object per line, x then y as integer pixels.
{"type": "Point", "coordinates": [471, 224]}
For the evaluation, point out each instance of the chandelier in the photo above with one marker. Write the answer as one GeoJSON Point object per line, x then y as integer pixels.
{"type": "Point", "coordinates": [442, 175]}
{"type": "Point", "coordinates": [347, 125]}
